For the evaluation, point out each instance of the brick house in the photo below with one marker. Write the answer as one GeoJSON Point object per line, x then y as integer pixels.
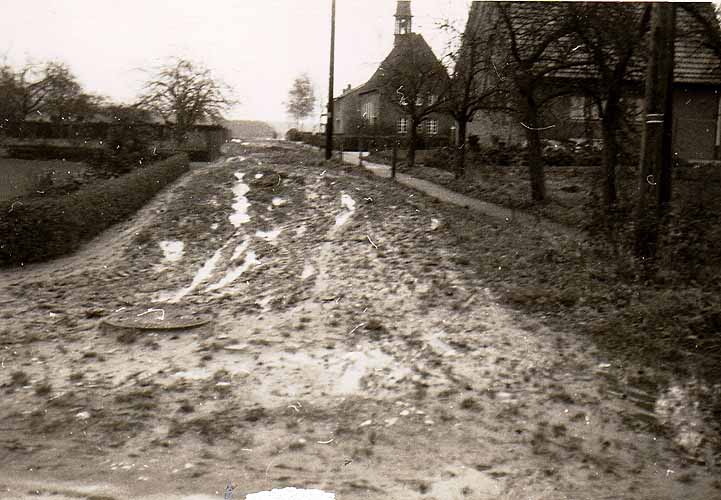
{"type": "Point", "coordinates": [696, 92]}
{"type": "Point", "coordinates": [368, 110]}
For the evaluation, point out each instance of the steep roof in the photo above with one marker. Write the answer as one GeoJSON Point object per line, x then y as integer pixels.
{"type": "Point", "coordinates": [694, 61]}
{"type": "Point", "coordinates": [403, 9]}
{"type": "Point", "coordinates": [405, 44]}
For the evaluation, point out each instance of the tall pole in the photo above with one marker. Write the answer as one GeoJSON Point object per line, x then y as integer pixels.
{"type": "Point", "coordinates": [329, 116]}
{"type": "Point", "coordinates": [656, 153]}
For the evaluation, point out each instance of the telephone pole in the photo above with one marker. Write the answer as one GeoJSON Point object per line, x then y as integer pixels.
{"type": "Point", "coordinates": [656, 147]}
{"type": "Point", "coordinates": [329, 116]}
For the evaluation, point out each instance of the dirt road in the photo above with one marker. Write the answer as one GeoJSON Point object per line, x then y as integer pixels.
{"type": "Point", "coordinates": [352, 349]}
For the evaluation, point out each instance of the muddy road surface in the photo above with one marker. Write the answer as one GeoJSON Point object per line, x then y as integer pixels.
{"type": "Point", "coordinates": [272, 321]}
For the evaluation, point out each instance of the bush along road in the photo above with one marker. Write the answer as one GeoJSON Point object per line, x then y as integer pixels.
{"type": "Point", "coordinates": [272, 320]}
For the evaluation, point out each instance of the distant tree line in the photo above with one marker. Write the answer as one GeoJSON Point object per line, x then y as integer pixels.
{"type": "Point", "coordinates": [180, 93]}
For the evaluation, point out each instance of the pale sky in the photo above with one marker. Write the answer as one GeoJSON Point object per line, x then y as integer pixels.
{"type": "Point", "coordinates": [256, 46]}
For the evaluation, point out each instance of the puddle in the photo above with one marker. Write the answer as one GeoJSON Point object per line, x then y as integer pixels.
{"type": "Point", "coordinates": [678, 410]}
{"type": "Point", "coordinates": [193, 374]}
{"type": "Point", "coordinates": [349, 204]}
{"type": "Point", "coordinates": [359, 364]}
{"type": "Point", "coordinates": [214, 226]}
{"type": "Point", "coordinates": [460, 481]}
{"type": "Point", "coordinates": [439, 346]}
{"type": "Point", "coordinates": [239, 250]}
{"type": "Point", "coordinates": [300, 230]}
{"type": "Point", "coordinates": [277, 202]}
{"type": "Point", "coordinates": [308, 271]}
{"type": "Point", "coordinates": [291, 494]}
{"type": "Point", "coordinates": [334, 372]}
{"type": "Point", "coordinates": [435, 224]}
{"type": "Point", "coordinates": [342, 218]}
{"type": "Point", "coordinates": [235, 273]}
{"type": "Point", "coordinates": [201, 276]}
{"type": "Point", "coordinates": [281, 375]}
{"type": "Point", "coordinates": [241, 205]}
{"type": "Point", "coordinates": [172, 250]}
{"type": "Point", "coordinates": [270, 236]}
{"type": "Point", "coordinates": [233, 159]}
{"type": "Point", "coordinates": [258, 176]}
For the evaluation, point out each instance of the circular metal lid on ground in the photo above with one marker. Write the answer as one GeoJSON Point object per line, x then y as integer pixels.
{"type": "Point", "coordinates": [157, 318]}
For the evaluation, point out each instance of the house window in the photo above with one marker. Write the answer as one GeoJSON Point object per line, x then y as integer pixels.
{"type": "Point", "coordinates": [582, 108]}
{"type": "Point", "coordinates": [369, 112]}
{"type": "Point", "coordinates": [432, 99]}
{"type": "Point", "coordinates": [577, 108]}
{"type": "Point", "coordinates": [402, 125]}
{"type": "Point", "coordinates": [432, 127]}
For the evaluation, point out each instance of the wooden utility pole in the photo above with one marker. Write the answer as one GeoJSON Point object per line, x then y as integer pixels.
{"type": "Point", "coordinates": [656, 147]}
{"type": "Point", "coordinates": [330, 118]}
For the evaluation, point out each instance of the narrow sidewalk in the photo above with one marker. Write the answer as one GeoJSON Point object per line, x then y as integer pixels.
{"type": "Point", "coordinates": [446, 195]}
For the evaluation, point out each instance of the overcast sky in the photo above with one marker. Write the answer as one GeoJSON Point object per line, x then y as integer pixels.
{"type": "Point", "coordinates": [256, 46]}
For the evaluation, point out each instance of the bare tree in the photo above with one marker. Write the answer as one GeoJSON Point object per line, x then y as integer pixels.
{"type": "Point", "coordinates": [185, 93]}
{"type": "Point", "coordinates": [301, 99]}
{"type": "Point", "coordinates": [47, 89]}
{"type": "Point", "coordinates": [531, 47]}
{"type": "Point", "coordinates": [471, 88]}
{"type": "Point", "coordinates": [612, 35]}
{"type": "Point", "coordinates": [416, 83]}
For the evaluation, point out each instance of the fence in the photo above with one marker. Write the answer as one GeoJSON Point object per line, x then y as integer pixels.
{"type": "Point", "coordinates": [342, 142]}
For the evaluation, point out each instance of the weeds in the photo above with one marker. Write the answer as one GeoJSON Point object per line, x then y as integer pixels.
{"type": "Point", "coordinates": [43, 389]}
{"type": "Point", "coordinates": [19, 379]}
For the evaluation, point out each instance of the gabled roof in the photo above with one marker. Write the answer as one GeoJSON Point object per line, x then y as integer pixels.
{"type": "Point", "coordinates": [405, 44]}
{"type": "Point", "coordinates": [694, 62]}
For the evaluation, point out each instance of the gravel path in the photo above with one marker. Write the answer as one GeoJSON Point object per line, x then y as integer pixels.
{"type": "Point", "coordinates": [448, 196]}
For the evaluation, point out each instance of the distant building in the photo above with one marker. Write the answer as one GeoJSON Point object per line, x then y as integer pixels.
{"type": "Point", "coordinates": [696, 92]}
{"type": "Point", "coordinates": [367, 108]}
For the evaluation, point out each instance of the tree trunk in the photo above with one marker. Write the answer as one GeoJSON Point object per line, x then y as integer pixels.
{"type": "Point", "coordinates": [534, 155]}
{"type": "Point", "coordinates": [609, 129]}
{"type": "Point", "coordinates": [412, 141]}
{"type": "Point", "coordinates": [461, 149]}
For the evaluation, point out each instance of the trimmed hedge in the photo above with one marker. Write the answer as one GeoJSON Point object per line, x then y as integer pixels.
{"type": "Point", "coordinates": [37, 229]}
{"type": "Point", "coordinates": [86, 154]}
{"type": "Point", "coordinates": [367, 143]}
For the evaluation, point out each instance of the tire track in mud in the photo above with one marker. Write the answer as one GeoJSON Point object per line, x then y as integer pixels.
{"type": "Point", "coordinates": [440, 392]}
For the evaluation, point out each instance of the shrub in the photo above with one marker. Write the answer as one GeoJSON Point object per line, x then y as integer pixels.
{"type": "Point", "coordinates": [474, 143]}
{"type": "Point", "coordinates": [442, 158]}
{"type": "Point", "coordinates": [128, 150]}
{"type": "Point", "coordinates": [33, 229]}
{"type": "Point", "coordinates": [91, 155]}
{"type": "Point", "coordinates": [292, 135]}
